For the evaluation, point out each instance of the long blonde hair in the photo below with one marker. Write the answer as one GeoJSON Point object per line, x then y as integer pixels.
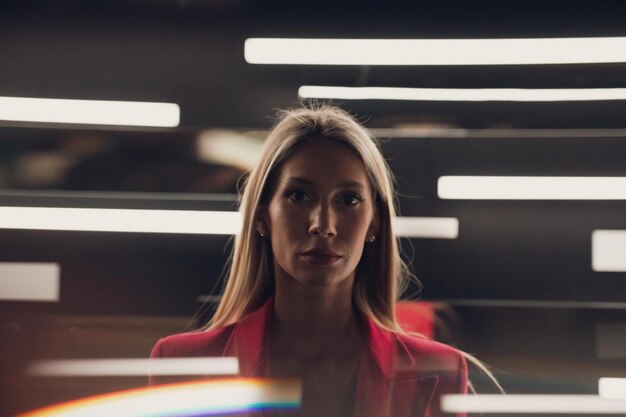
{"type": "Point", "coordinates": [381, 274]}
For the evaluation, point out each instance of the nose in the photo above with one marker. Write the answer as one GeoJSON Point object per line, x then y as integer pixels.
{"type": "Point", "coordinates": [322, 221]}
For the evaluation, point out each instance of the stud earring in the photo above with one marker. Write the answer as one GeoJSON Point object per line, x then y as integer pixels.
{"type": "Point", "coordinates": [370, 239]}
{"type": "Point", "coordinates": [262, 232]}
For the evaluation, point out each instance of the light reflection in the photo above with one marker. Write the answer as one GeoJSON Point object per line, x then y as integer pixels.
{"type": "Point", "coordinates": [462, 94]}
{"type": "Point", "coordinates": [612, 388]}
{"type": "Point", "coordinates": [515, 51]}
{"type": "Point", "coordinates": [531, 404]}
{"type": "Point", "coordinates": [199, 398]}
{"type": "Point", "coordinates": [30, 281]}
{"type": "Point", "coordinates": [94, 112]}
{"type": "Point", "coordinates": [136, 367]}
{"type": "Point", "coordinates": [608, 250]}
{"type": "Point", "coordinates": [531, 188]}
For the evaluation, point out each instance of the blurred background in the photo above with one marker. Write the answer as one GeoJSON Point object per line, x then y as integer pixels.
{"type": "Point", "coordinates": [515, 284]}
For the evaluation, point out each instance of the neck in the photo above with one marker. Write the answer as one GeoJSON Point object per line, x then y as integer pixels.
{"type": "Point", "coordinates": [314, 321]}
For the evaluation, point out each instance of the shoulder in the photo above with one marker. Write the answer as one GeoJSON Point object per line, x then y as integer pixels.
{"type": "Point", "coordinates": [198, 343]}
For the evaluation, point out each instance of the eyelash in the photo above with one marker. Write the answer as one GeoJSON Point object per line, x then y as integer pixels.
{"type": "Point", "coordinates": [290, 194]}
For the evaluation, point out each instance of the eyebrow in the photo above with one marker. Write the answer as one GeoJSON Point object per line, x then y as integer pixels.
{"type": "Point", "coordinates": [345, 184]}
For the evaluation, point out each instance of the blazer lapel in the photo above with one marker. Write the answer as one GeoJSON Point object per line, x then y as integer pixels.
{"type": "Point", "coordinates": [248, 342]}
{"type": "Point", "coordinates": [386, 385]}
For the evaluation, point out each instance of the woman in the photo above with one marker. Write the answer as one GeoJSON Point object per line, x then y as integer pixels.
{"type": "Point", "coordinates": [314, 278]}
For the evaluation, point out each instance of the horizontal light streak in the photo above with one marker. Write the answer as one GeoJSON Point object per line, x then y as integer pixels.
{"type": "Point", "coordinates": [136, 367]}
{"type": "Point", "coordinates": [461, 94]}
{"type": "Point", "coordinates": [531, 404]}
{"type": "Point", "coordinates": [120, 220]}
{"type": "Point", "coordinates": [29, 281]}
{"type": "Point", "coordinates": [178, 221]}
{"type": "Point", "coordinates": [614, 388]}
{"type": "Point", "coordinates": [426, 227]}
{"type": "Point", "coordinates": [93, 112]}
{"type": "Point", "coordinates": [516, 51]}
{"type": "Point", "coordinates": [531, 188]}
{"type": "Point", "coordinates": [199, 398]}
{"type": "Point", "coordinates": [608, 250]}
{"type": "Point", "coordinates": [492, 133]}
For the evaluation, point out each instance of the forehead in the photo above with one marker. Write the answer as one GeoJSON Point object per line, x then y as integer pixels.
{"type": "Point", "coordinates": [325, 162]}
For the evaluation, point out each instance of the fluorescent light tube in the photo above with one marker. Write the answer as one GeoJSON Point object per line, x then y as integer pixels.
{"type": "Point", "coordinates": [179, 221]}
{"type": "Point", "coordinates": [93, 112]}
{"type": "Point", "coordinates": [120, 220]}
{"type": "Point", "coordinates": [614, 388]}
{"type": "Point", "coordinates": [461, 94]}
{"type": "Point", "coordinates": [427, 227]}
{"type": "Point", "coordinates": [608, 250]}
{"type": "Point", "coordinates": [435, 51]}
{"type": "Point", "coordinates": [531, 188]}
{"type": "Point", "coordinates": [531, 404]}
{"type": "Point", "coordinates": [29, 281]}
{"type": "Point", "coordinates": [135, 367]}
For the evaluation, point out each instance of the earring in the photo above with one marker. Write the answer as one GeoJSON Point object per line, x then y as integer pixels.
{"type": "Point", "coordinates": [370, 239]}
{"type": "Point", "coordinates": [262, 232]}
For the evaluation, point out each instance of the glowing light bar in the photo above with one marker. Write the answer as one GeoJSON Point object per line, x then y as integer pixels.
{"type": "Point", "coordinates": [94, 112]}
{"type": "Point", "coordinates": [136, 367]}
{"type": "Point", "coordinates": [531, 404]}
{"type": "Point", "coordinates": [179, 221]}
{"type": "Point", "coordinates": [435, 51]}
{"type": "Point", "coordinates": [614, 388]}
{"type": "Point", "coordinates": [608, 250]}
{"type": "Point", "coordinates": [427, 227]}
{"type": "Point", "coordinates": [29, 281]}
{"type": "Point", "coordinates": [532, 188]}
{"type": "Point", "coordinates": [120, 220]}
{"type": "Point", "coordinates": [199, 398]}
{"type": "Point", "coordinates": [461, 94]}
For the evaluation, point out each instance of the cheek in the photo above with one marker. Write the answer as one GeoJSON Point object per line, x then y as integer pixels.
{"type": "Point", "coordinates": [286, 224]}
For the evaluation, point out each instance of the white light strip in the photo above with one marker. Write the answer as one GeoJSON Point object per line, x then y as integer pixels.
{"type": "Point", "coordinates": [461, 94]}
{"type": "Point", "coordinates": [427, 227]}
{"type": "Point", "coordinates": [608, 250]}
{"type": "Point", "coordinates": [435, 51]}
{"type": "Point", "coordinates": [94, 112]}
{"type": "Point", "coordinates": [136, 367]}
{"type": "Point", "coordinates": [531, 188]}
{"type": "Point", "coordinates": [29, 281]}
{"type": "Point", "coordinates": [446, 132]}
{"type": "Point", "coordinates": [614, 388]}
{"type": "Point", "coordinates": [531, 404]}
{"type": "Point", "coordinates": [120, 220]}
{"type": "Point", "coordinates": [179, 221]}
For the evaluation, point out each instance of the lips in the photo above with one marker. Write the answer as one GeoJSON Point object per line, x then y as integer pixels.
{"type": "Point", "coordinates": [321, 257]}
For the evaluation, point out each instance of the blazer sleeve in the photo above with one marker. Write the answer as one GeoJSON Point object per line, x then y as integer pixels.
{"type": "Point", "coordinates": [156, 353]}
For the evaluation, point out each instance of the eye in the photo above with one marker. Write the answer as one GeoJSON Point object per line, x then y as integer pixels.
{"type": "Point", "coordinates": [298, 196]}
{"type": "Point", "coordinates": [352, 199]}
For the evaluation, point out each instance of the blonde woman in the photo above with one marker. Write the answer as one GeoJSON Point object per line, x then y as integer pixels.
{"type": "Point", "coordinates": [314, 277]}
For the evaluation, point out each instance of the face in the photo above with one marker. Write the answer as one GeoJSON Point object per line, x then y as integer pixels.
{"type": "Point", "coordinates": [320, 214]}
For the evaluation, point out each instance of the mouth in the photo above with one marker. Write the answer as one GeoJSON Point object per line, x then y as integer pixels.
{"type": "Point", "coordinates": [316, 257]}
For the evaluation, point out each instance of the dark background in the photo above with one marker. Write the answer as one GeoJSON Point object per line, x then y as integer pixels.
{"type": "Point", "coordinates": [516, 288]}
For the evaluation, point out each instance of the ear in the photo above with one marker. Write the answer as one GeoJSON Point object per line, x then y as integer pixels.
{"type": "Point", "coordinates": [374, 227]}
{"type": "Point", "coordinates": [261, 221]}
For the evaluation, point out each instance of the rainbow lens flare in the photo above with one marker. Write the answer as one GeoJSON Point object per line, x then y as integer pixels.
{"type": "Point", "coordinates": [197, 398]}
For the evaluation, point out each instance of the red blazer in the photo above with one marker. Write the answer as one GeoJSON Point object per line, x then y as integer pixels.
{"type": "Point", "coordinates": [399, 375]}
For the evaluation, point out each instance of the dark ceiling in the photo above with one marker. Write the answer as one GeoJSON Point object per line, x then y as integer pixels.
{"type": "Point", "coordinates": [191, 52]}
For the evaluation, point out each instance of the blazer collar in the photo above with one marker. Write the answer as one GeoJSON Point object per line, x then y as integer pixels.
{"type": "Point", "coordinates": [383, 389]}
{"type": "Point", "coordinates": [250, 343]}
